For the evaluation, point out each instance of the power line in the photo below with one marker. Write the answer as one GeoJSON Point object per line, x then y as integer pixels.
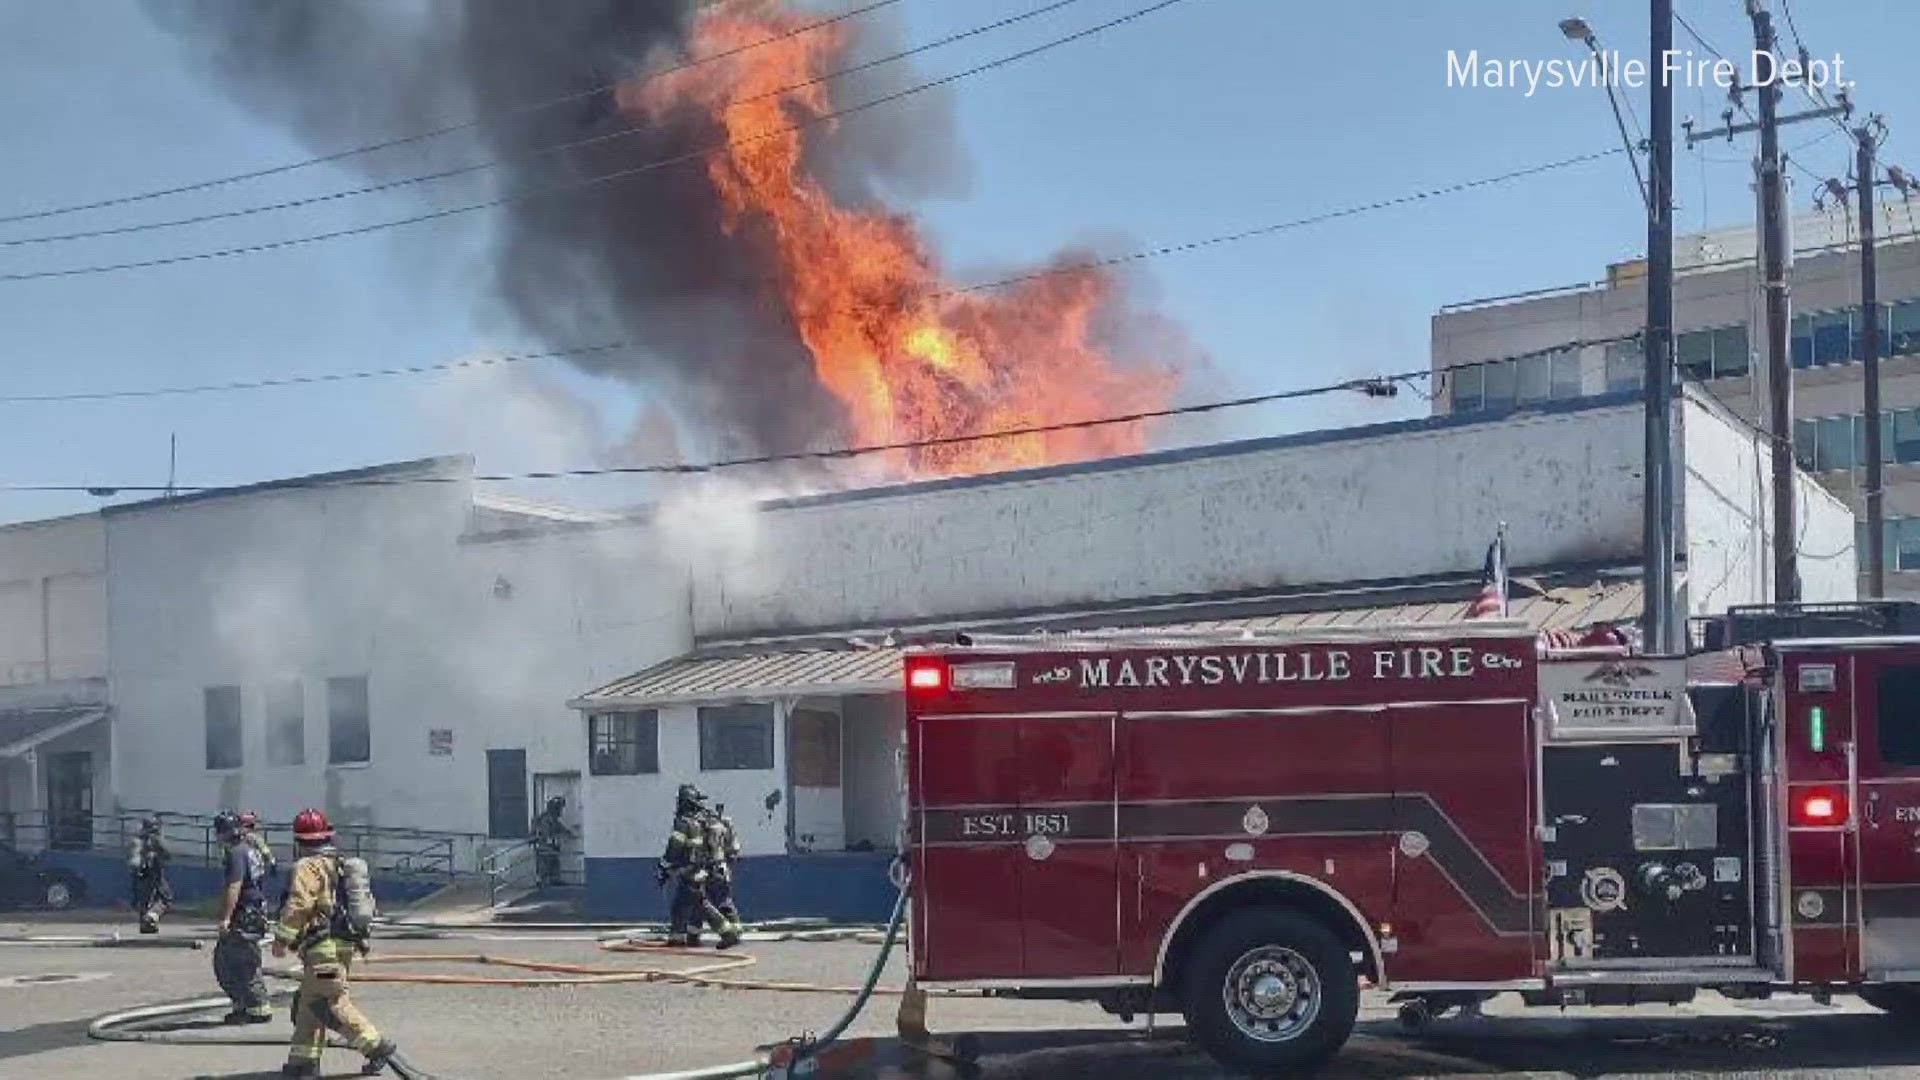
{"type": "Point", "coordinates": [464, 170]}
{"type": "Point", "coordinates": [309, 380]}
{"type": "Point", "coordinates": [1368, 385]}
{"type": "Point", "coordinates": [448, 129]}
{"type": "Point", "coordinates": [977, 287]}
{"type": "Point", "coordinates": [589, 181]}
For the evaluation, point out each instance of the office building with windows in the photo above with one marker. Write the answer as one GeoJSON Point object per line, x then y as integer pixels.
{"type": "Point", "coordinates": [1581, 340]}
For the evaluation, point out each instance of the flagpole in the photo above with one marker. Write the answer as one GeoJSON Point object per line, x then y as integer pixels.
{"type": "Point", "coordinates": [1500, 537]}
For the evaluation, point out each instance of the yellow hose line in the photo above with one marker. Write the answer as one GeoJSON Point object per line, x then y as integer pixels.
{"type": "Point", "coordinates": [559, 974]}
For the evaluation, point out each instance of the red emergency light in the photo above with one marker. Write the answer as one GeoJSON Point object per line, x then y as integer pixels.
{"type": "Point", "coordinates": [926, 674]}
{"type": "Point", "coordinates": [1820, 807]}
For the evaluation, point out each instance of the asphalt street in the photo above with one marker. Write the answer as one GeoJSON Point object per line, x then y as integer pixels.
{"type": "Point", "coordinates": [49, 995]}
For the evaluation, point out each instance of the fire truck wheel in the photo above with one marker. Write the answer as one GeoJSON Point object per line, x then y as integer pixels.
{"type": "Point", "coordinates": [1900, 1001]}
{"type": "Point", "coordinates": [1270, 990]}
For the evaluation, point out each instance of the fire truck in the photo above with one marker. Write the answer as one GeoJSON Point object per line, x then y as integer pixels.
{"type": "Point", "coordinates": [1244, 828]}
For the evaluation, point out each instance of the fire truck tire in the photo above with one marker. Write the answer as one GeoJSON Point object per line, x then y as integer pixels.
{"type": "Point", "coordinates": [1270, 990]}
{"type": "Point", "coordinates": [1900, 1001]}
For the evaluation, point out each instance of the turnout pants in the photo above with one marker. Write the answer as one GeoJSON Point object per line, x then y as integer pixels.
{"type": "Point", "coordinates": [151, 897]}
{"type": "Point", "coordinates": [723, 915]}
{"type": "Point", "coordinates": [236, 967]}
{"type": "Point", "coordinates": [322, 1003]}
{"type": "Point", "coordinates": [686, 912]}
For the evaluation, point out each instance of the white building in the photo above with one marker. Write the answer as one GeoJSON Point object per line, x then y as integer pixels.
{"type": "Point", "coordinates": [384, 644]}
{"type": "Point", "coordinates": [55, 750]}
{"type": "Point", "coordinates": [788, 709]}
{"type": "Point", "coordinates": [1719, 326]}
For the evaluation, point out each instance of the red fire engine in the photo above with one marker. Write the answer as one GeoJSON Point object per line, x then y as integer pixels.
{"type": "Point", "coordinates": [1243, 828]}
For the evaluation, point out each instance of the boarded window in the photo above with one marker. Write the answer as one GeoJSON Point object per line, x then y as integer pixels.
{"type": "Point", "coordinates": [813, 743]}
{"type": "Point", "coordinates": [223, 727]}
{"type": "Point", "coordinates": [623, 744]}
{"type": "Point", "coordinates": [286, 724]}
{"type": "Point", "coordinates": [349, 730]}
{"type": "Point", "coordinates": [736, 737]}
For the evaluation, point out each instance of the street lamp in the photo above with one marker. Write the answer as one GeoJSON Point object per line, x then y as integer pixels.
{"type": "Point", "coordinates": [1657, 539]}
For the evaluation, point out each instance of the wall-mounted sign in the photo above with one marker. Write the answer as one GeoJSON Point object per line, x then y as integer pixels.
{"type": "Point", "coordinates": [440, 742]}
{"type": "Point", "coordinates": [1629, 697]}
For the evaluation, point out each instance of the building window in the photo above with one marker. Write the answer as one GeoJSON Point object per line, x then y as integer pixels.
{"type": "Point", "coordinates": [1899, 689]}
{"type": "Point", "coordinates": [349, 733]}
{"type": "Point", "coordinates": [1502, 385]}
{"type": "Point", "coordinates": [1626, 366]}
{"type": "Point", "coordinates": [1836, 444]}
{"type": "Point", "coordinates": [736, 737]}
{"type": "Point", "coordinates": [286, 724]}
{"type": "Point", "coordinates": [223, 727]}
{"type": "Point", "coordinates": [1468, 387]}
{"type": "Point", "coordinates": [1566, 375]}
{"type": "Point", "coordinates": [1713, 354]}
{"type": "Point", "coordinates": [623, 744]}
{"type": "Point", "coordinates": [1903, 331]}
{"type": "Point", "coordinates": [1902, 548]}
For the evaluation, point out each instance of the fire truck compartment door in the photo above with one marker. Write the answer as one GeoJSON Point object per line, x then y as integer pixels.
{"type": "Point", "coordinates": [1887, 703]}
{"type": "Point", "coordinates": [1068, 860]}
{"type": "Point", "coordinates": [967, 872]}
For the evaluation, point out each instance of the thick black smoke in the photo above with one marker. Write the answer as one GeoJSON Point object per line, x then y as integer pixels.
{"type": "Point", "coordinates": [641, 258]}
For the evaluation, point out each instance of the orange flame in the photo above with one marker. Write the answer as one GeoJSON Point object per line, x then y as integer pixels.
{"type": "Point", "coordinates": [908, 358]}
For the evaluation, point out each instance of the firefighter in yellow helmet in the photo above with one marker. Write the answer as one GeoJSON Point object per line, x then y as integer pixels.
{"type": "Point", "coordinates": [313, 924]}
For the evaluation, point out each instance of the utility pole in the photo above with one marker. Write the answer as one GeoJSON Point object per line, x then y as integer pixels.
{"type": "Point", "coordinates": [1662, 628]}
{"type": "Point", "coordinates": [1774, 246]}
{"type": "Point", "coordinates": [1865, 171]}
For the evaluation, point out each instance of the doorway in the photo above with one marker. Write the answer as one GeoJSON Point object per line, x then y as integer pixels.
{"type": "Point", "coordinates": [507, 816]}
{"type": "Point", "coordinates": [565, 785]}
{"type": "Point", "coordinates": [70, 800]}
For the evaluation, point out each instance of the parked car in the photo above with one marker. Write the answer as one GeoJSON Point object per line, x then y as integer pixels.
{"type": "Point", "coordinates": [27, 880]}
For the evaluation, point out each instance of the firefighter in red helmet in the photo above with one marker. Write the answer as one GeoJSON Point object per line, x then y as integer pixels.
{"type": "Point", "coordinates": [315, 924]}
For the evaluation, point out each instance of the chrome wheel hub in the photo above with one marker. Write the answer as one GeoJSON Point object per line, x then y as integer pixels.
{"type": "Point", "coordinates": [1272, 994]}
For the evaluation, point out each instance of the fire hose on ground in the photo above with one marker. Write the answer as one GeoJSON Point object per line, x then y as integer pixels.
{"type": "Point", "coordinates": [161, 1023]}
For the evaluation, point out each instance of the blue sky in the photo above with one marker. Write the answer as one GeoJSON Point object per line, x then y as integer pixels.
{"type": "Point", "coordinates": [1208, 117]}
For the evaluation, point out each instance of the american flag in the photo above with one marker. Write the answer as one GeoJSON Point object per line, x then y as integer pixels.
{"type": "Point", "coordinates": [1492, 601]}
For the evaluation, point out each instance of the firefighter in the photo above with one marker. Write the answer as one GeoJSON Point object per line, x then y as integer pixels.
{"type": "Point", "coordinates": [147, 861]}
{"type": "Point", "coordinates": [313, 925]}
{"type": "Point", "coordinates": [722, 848]}
{"type": "Point", "coordinates": [243, 919]}
{"type": "Point", "coordinates": [684, 863]}
{"type": "Point", "coordinates": [549, 831]}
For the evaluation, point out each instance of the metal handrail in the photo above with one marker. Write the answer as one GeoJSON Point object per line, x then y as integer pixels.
{"type": "Point", "coordinates": [190, 839]}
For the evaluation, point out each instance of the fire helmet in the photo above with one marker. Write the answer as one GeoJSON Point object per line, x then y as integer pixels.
{"type": "Point", "coordinates": [150, 826]}
{"type": "Point", "coordinates": [226, 825]}
{"type": "Point", "coordinates": [312, 827]}
{"type": "Point", "coordinates": [688, 797]}
{"type": "Point", "coordinates": [249, 820]}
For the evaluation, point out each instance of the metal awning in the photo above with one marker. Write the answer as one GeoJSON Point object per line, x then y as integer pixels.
{"type": "Point", "coordinates": [736, 676]}
{"type": "Point", "coordinates": [764, 669]}
{"type": "Point", "coordinates": [23, 729]}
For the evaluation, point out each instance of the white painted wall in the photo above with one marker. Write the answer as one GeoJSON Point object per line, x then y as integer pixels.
{"type": "Point", "coordinates": [630, 816]}
{"type": "Point", "coordinates": [1729, 513]}
{"type": "Point", "coordinates": [53, 600]}
{"type": "Point", "coordinates": [487, 638]}
{"type": "Point", "coordinates": [1379, 503]}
